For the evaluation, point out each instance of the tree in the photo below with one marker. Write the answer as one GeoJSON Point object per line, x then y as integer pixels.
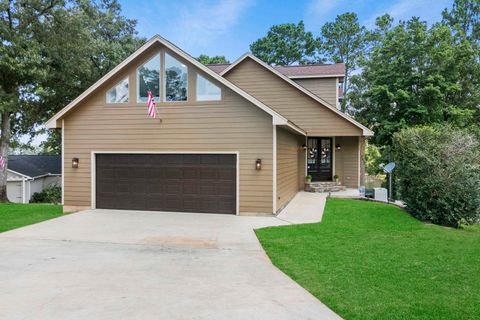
{"type": "Point", "coordinates": [205, 59]}
{"type": "Point", "coordinates": [344, 40]}
{"type": "Point", "coordinates": [286, 44]}
{"type": "Point", "coordinates": [415, 75]}
{"type": "Point", "coordinates": [50, 52]}
{"type": "Point", "coordinates": [465, 15]}
{"type": "Point", "coordinates": [438, 174]}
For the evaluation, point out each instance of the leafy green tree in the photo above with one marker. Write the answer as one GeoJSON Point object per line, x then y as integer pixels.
{"type": "Point", "coordinates": [344, 40]}
{"type": "Point", "coordinates": [465, 14]}
{"type": "Point", "coordinates": [286, 44]}
{"type": "Point", "coordinates": [438, 174]}
{"type": "Point", "coordinates": [205, 59]}
{"type": "Point", "coordinates": [415, 75]}
{"type": "Point", "coordinates": [50, 52]}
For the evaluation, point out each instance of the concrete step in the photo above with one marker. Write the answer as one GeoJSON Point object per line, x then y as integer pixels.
{"type": "Point", "coordinates": [324, 186]}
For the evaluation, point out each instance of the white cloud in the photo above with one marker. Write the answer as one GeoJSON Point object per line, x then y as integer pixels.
{"type": "Point", "coordinates": [201, 23]}
{"type": "Point", "coordinates": [405, 9]}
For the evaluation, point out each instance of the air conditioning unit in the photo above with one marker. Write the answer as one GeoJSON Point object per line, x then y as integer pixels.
{"type": "Point", "coordinates": [380, 194]}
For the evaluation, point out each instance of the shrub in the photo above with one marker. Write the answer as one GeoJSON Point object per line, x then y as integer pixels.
{"type": "Point", "coordinates": [438, 174]}
{"type": "Point", "coordinates": [51, 194]}
{"type": "Point", "coordinates": [372, 159]}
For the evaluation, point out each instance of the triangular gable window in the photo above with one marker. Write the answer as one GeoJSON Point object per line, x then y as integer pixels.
{"type": "Point", "coordinates": [119, 93]}
{"type": "Point", "coordinates": [207, 91]}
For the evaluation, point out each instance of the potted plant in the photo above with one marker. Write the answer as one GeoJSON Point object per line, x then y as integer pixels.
{"type": "Point", "coordinates": [335, 177]}
{"type": "Point", "coordinates": [308, 179]}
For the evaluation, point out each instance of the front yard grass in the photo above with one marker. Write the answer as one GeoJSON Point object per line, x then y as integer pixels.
{"type": "Point", "coordinates": [367, 260]}
{"type": "Point", "coordinates": [13, 215]}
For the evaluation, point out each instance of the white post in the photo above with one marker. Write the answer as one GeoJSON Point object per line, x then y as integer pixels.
{"type": "Point", "coordinates": [23, 190]}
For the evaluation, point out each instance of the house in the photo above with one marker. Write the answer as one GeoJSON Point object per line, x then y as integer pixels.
{"type": "Point", "coordinates": [27, 174]}
{"type": "Point", "coordinates": [240, 140]}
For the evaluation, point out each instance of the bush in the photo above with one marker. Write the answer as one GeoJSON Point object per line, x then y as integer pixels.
{"type": "Point", "coordinates": [51, 194]}
{"type": "Point", "coordinates": [438, 171]}
{"type": "Point", "coordinates": [372, 159]}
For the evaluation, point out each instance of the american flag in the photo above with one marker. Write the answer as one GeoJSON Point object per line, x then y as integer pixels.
{"type": "Point", "coordinates": [2, 162]}
{"type": "Point", "coordinates": [152, 112]}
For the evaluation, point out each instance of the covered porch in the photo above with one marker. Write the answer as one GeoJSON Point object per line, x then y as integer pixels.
{"type": "Point", "coordinates": [335, 162]}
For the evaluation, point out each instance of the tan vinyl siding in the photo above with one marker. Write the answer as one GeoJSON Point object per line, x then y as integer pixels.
{"type": "Point", "coordinates": [347, 161]}
{"type": "Point", "coordinates": [290, 102]}
{"type": "Point", "coordinates": [289, 158]}
{"type": "Point", "coordinates": [325, 88]}
{"type": "Point", "coordinates": [231, 125]}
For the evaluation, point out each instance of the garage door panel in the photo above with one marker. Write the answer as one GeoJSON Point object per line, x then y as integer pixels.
{"type": "Point", "coordinates": [167, 182]}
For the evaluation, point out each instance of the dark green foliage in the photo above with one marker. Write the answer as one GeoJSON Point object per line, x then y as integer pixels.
{"type": "Point", "coordinates": [438, 174]}
{"type": "Point", "coordinates": [415, 75]}
{"type": "Point", "coordinates": [205, 59]}
{"type": "Point", "coordinates": [52, 194]}
{"type": "Point", "coordinates": [286, 44]}
{"type": "Point", "coordinates": [373, 261]}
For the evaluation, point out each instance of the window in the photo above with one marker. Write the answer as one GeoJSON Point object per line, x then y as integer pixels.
{"type": "Point", "coordinates": [119, 93]}
{"type": "Point", "coordinates": [148, 79]}
{"type": "Point", "coordinates": [176, 79]}
{"type": "Point", "coordinates": [207, 91]}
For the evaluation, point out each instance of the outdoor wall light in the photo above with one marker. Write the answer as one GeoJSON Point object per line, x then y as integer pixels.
{"type": "Point", "coordinates": [75, 163]}
{"type": "Point", "coordinates": [338, 147]}
{"type": "Point", "coordinates": [258, 164]}
{"type": "Point", "coordinates": [304, 146]}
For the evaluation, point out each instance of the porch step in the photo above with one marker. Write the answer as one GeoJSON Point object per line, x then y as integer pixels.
{"type": "Point", "coordinates": [324, 186]}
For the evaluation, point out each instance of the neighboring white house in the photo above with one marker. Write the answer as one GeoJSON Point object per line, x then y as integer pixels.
{"type": "Point", "coordinates": [28, 174]}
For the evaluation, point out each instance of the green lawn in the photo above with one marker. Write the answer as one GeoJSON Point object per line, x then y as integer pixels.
{"type": "Point", "coordinates": [13, 215]}
{"type": "Point", "coordinates": [367, 260]}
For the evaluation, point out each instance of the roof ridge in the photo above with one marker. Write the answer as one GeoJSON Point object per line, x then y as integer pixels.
{"type": "Point", "coordinates": [310, 65]}
{"type": "Point", "coordinates": [217, 64]}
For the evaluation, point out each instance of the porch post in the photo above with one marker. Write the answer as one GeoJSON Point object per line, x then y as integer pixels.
{"type": "Point", "coordinates": [362, 161]}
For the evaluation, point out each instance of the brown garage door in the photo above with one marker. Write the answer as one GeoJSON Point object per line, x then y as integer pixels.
{"type": "Point", "coordinates": [167, 182]}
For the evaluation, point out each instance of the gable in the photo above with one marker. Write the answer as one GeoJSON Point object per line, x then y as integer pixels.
{"type": "Point", "coordinates": [155, 56]}
{"type": "Point", "coordinates": [298, 105]}
{"type": "Point", "coordinates": [154, 44]}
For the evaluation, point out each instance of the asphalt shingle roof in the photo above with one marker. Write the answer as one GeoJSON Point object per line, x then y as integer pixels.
{"type": "Point", "coordinates": [308, 70]}
{"type": "Point", "coordinates": [35, 165]}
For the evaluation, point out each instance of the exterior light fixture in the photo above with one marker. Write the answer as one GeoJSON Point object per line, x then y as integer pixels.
{"type": "Point", "coordinates": [304, 146]}
{"type": "Point", "coordinates": [338, 147]}
{"type": "Point", "coordinates": [258, 164]}
{"type": "Point", "coordinates": [75, 163]}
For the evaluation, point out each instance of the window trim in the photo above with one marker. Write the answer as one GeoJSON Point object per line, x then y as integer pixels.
{"type": "Point", "coordinates": [164, 80]}
{"type": "Point", "coordinates": [127, 77]}
{"type": "Point", "coordinates": [159, 99]}
{"type": "Point", "coordinates": [196, 89]}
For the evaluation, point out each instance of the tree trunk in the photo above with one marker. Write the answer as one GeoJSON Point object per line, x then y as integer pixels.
{"type": "Point", "coordinates": [4, 141]}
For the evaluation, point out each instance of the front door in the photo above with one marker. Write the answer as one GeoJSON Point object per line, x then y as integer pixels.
{"type": "Point", "coordinates": [319, 159]}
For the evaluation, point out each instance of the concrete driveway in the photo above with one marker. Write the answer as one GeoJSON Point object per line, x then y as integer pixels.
{"type": "Point", "coordinates": [108, 264]}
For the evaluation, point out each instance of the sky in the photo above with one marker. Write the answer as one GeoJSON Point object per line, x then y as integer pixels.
{"type": "Point", "coordinates": [228, 27]}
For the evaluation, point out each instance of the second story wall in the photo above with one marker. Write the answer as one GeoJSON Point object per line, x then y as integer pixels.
{"type": "Point", "coordinates": [325, 88]}
{"type": "Point", "coordinates": [315, 118]}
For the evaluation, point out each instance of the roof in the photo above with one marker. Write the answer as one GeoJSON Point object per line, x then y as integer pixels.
{"type": "Point", "coordinates": [277, 119]}
{"type": "Point", "coordinates": [299, 71]}
{"type": "Point", "coordinates": [365, 130]}
{"type": "Point", "coordinates": [35, 165]}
